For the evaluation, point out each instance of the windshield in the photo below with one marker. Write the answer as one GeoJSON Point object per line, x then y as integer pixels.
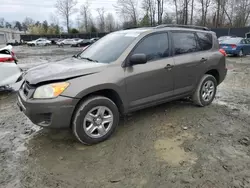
{"type": "Point", "coordinates": [232, 41]}
{"type": "Point", "coordinates": [109, 48]}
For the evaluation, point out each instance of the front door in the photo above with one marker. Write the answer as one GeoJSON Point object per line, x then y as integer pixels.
{"type": "Point", "coordinates": [151, 82]}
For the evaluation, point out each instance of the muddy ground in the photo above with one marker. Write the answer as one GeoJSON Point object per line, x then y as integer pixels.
{"type": "Point", "coordinates": [175, 145]}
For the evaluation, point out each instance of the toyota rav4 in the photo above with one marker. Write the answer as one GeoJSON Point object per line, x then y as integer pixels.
{"type": "Point", "coordinates": [123, 72]}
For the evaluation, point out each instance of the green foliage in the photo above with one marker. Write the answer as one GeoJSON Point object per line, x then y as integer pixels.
{"type": "Point", "coordinates": [145, 22]}
{"type": "Point", "coordinates": [44, 28]}
{"type": "Point", "coordinates": [18, 26]}
{"type": "Point", "coordinates": [74, 31]}
{"type": "Point", "coordinates": [93, 29]}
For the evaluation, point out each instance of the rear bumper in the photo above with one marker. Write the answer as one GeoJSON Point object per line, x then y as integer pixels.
{"type": "Point", "coordinates": [51, 113]}
{"type": "Point", "coordinates": [232, 52]}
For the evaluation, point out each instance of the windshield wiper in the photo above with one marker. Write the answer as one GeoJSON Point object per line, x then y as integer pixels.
{"type": "Point", "coordinates": [89, 59]}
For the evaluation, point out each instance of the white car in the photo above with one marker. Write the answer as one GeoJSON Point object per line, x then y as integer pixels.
{"type": "Point", "coordinates": [67, 42]}
{"type": "Point", "coordinates": [39, 42]}
{"type": "Point", "coordinates": [10, 73]}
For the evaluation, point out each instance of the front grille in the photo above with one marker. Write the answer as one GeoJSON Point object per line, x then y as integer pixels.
{"type": "Point", "coordinates": [27, 89]}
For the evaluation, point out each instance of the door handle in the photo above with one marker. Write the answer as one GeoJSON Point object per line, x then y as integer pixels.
{"type": "Point", "coordinates": [168, 67]}
{"type": "Point", "coordinates": [203, 60]}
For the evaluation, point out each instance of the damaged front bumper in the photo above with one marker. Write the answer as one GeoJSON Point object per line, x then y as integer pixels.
{"type": "Point", "coordinates": [51, 113]}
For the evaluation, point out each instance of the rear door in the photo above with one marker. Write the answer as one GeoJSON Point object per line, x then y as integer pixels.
{"type": "Point", "coordinates": [188, 60]}
{"type": "Point", "coordinates": [246, 44]}
{"type": "Point", "coordinates": [151, 82]}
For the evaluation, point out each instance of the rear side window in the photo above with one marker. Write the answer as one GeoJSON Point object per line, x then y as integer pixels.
{"type": "Point", "coordinates": [205, 40]}
{"type": "Point", "coordinates": [184, 42]}
{"type": "Point", "coordinates": [243, 41]}
{"type": "Point", "coordinates": [154, 46]}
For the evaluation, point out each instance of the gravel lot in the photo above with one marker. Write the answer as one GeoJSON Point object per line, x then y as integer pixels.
{"type": "Point", "coordinates": [174, 145]}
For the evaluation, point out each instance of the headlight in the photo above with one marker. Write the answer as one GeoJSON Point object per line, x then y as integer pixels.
{"type": "Point", "coordinates": [50, 90]}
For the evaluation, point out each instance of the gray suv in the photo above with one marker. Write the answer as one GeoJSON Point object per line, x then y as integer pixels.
{"type": "Point", "coordinates": [123, 72]}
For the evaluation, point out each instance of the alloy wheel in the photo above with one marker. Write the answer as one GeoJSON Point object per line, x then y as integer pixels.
{"type": "Point", "coordinates": [98, 121]}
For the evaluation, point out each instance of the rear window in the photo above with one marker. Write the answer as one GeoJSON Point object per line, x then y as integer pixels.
{"type": "Point", "coordinates": [232, 41]}
{"type": "Point", "coordinates": [205, 40]}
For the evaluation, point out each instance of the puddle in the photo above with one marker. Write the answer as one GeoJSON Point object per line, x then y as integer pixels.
{"type": "Point", "coordinates": [170, 150]}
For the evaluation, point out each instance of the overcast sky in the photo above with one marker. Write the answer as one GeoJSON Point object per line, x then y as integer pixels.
{"type": "Point", "coordinates": [40, 10]}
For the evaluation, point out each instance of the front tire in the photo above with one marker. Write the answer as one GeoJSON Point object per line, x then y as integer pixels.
{"type": "Point", "coordinates": [95, 120]}
{"type": "Point", "coordinates": [206, 90]}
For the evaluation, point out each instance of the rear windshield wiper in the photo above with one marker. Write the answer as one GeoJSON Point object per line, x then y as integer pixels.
{"type": "Point", "coordinates": [89, 59]}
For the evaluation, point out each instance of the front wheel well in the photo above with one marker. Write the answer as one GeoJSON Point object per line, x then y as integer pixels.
{"type": "Point", "coordinates": [215, 74]}
{"type": "Point", "coordinates": [109, 93]}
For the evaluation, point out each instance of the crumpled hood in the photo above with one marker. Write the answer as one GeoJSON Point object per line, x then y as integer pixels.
{"type": "Point", "coordinates": [65, 69]}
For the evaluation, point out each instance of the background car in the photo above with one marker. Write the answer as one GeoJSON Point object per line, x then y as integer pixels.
{"type": "Point", "coordinates": [39, 42]}
{"type": "Point", "coordinates": [67, 42]}
{"type": "Point", "coordinates": [54, 40]}
{"type": "Point", "coordinates": [10, 73]}
{"type": "Point", "coordinates": [236, 46]}
{"type": "Point", "coordinates": [220, 39]}
{"type": "Point", "coordinates": [13, 42]}
{"type": "Point", "coordinates": [93, 40]}
{"type": "Point", "coordinates": [82, 43]}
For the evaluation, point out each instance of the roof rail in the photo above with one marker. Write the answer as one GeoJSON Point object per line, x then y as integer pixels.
{"type": "Point", "coordinates": [182, 26]}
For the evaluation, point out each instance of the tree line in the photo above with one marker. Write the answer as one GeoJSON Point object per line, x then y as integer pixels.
{"type": "Point", "coordinates": [137, 13]}
{"type": "Point", "coordinates": [210, 13]}
{"type": "Point", "coordinates": [29, 25]}
{"type": "Point", "coordinates": [141, 13]}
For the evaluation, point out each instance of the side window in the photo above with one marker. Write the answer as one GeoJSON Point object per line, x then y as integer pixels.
{"type": "Point", "coordinates": [205, 40]}
{"type": "Point", "coordinates": [243, 41]}
{"type": "Point", "coordinates": [154, 46]}
{"type": "Point", "coordinates": [184, 42]}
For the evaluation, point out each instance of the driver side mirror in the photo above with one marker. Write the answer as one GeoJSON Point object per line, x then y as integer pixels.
{"type": "Point", "coordinates": [137, 59]}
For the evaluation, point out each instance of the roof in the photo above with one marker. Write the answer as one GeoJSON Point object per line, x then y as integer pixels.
{"type": "Point", "coordinates": [164, 27]}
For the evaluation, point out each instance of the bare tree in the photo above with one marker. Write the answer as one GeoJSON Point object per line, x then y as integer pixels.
{"type": "Point", "coordinates": [101, 19]}
{"type": "Point", "coordinates": [149, 6]}
{"type": "Point", "coordinates": [86, 15]}
{"type": "Point", "coordinates": [66, 8]}
{"type": "Point", "coordinates": [54, 19]}
{"type": "Point", "coordinates": [185, 12]}
{"type": "Point", "coordinates": [242, 12]}
{"type": "Point", "coordinates": [204, 9]}
{"type": "Point", "coordinates": [27, 23]}
{"type": "Point", "coordinates": [192, 12]}
{"type": "Point", "coordinates": [176, 11]}
{"type": "Point", "coordinates": [128, 9]}
{"type": "Point", "coordinates": [160, 4]}
{"type": "Point", "coordinates": [110, 22]}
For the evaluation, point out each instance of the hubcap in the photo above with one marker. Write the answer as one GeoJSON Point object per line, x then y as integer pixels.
{"type": "Point", "coordinates": [98, 121]}
{"type": "Point", "coordinates": [208, 90]}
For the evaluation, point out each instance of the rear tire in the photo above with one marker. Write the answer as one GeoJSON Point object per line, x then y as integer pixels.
{"type": "Point", "coordinates": [241, 53]}
{"type": "Point", "coordinates": [95, 120]}
{"type": "Point", "coordinates": [206, 91]}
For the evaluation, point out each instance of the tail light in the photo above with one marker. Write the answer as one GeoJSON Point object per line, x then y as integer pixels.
{"type": "Point", "coordinates": [7, 59]}
{"type": "Point", "coordinates": [233, 45]}
{"type": "Point", "coordinates": [223, 52]}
